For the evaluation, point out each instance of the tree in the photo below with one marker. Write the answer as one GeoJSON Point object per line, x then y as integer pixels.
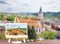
{"type": "Point", "coordinates": [2, 36]}
{"type": "Point", "coordinates": [10, 18]}
{"type": "Point", "coordinates": [1, 17]}
{"type": "Point", "coordinates": [48, 34]}
{"type": "Point", "coordinates": [31, 33]}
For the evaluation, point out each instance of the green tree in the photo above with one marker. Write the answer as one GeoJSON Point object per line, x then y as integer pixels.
{"type": "Point", "coordinates": [31, 33]}
{"type": "Point", "coordinates": [10, 18]}
{"type": "Point", "coordinates": [2, 36]}
{"type": "Point", "coordinates": [48, 34]}
{"type": "Point", "coordinates": [1, 17]}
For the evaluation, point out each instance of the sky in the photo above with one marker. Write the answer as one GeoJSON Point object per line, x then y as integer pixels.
{"type": "Point", "coordinates": [32, 6]}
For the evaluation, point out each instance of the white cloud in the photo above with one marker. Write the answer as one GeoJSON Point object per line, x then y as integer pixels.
{"type": "Point", "coordinates": [29, 5]}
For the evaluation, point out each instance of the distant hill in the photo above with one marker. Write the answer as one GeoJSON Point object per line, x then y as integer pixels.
{"type": "Point", "coordinates": [46, 14]}
{"type": "Point", "coordinates": [50, 14]}
{"type": "Point", "coordinates": [54, 14]}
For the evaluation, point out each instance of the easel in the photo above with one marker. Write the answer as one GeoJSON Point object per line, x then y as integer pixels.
{"type": "Point", "coordinates": [16, 42]}
{"type": "Point", "coordinates": [10, 36]}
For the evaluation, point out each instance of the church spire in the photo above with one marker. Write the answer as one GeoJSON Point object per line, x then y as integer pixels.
{"type": "Point", "coordinates": [40, 14]}
{"type": "Point", "coordinates": [40, 11]}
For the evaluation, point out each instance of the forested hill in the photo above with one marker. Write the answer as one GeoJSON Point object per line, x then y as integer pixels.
{"type": "Point", "coordinates": [46, 14]}
{"type": "Point", "coordinates": [50, 14]}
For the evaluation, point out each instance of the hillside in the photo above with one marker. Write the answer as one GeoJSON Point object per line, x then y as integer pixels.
{"type": "Point", "coordinates": [46, 14]}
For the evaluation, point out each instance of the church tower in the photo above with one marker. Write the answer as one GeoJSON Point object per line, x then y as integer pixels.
{"type": "Point", "coordinates": [40, 20]}
{"type": "Point", "coordinates": [40, 14]}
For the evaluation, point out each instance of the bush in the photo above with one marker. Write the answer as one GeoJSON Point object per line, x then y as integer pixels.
{"type": "Point", "coordinates": [1, 17]}
{"type": "Point", "coordinates": [48, 35]}
{"type": "Point", "coordinates": [2, 36]}
{"type": "Point", "coordinates": [10, 18]}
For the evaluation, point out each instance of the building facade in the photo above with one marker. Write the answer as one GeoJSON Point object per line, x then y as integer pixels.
{"type": "Point", "coordinates": [36, 22]}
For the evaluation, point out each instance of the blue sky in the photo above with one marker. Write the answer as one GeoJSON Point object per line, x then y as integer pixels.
{"type": "Point", "coordinates": [17, 6]}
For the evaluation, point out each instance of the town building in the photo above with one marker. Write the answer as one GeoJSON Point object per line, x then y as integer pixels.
{"type": "Point", "coordinates": [36, 22]}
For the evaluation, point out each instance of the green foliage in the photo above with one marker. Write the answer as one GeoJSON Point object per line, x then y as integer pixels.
{"type": "Point", "coordinates": [48, 15]}
{"type": "Point", "coordinates": [48, 35]}
{"type": "Point", "coordinates": [2, 36]}
{"type": "Point", "coordinates": [52, 15]}
{"type": "Point", "coordinates": [10, 18]}
{"type": "Point", "coordinates": [31, 33]}
{"type": "Point", "coordinates": [23, 29]}
{"type": "Point", "coordinates": [1, 17]}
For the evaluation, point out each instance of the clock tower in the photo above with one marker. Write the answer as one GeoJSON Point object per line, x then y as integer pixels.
{"type": "Point", "coordinates": [40, 14]}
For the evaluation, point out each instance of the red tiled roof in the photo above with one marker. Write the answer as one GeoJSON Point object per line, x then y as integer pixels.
{"type": "Point", "coordinates": [31, 22]}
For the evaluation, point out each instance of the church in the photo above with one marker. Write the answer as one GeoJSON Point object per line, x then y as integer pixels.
{"type": "Point", "coordinates": [36, 22]}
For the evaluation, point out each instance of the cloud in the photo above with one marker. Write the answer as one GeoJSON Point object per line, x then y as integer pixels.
{"type": "Point", "coordinates": [17, 6]}
{"type": "Point", "coordinates": [2, 2]}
